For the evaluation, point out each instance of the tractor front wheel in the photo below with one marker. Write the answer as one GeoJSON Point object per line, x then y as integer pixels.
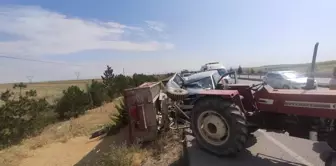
{"type": "Point", "coordinates": [219, 126]}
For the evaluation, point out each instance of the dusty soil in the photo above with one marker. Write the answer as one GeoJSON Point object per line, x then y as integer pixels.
{"type": "Point", "coordinates": [66, 144]}
{"type": "Point", "coordinates": [77, 151]}
{"type": "Point", "coordinates": [61, 154]}
{"type": "Point", "coordinates": [63, 143]}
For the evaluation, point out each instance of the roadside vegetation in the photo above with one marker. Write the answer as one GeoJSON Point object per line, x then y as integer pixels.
{"type": "Point", "coordinates": [24, 114]}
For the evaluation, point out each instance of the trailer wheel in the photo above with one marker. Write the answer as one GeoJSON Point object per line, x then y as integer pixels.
{"type": "Point", "coordinates": [219, 126]}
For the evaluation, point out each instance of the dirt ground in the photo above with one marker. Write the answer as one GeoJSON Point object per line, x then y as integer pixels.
{"type": "Point", "coordinates": [62, 143]}
{"type": "Point", "coordinates": [57, 154]}
{"type": "Point", "coordinates": [67, 143]}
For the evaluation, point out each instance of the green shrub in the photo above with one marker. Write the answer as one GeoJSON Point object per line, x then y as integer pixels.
{"type": "Point", "coordinates": [98, 93]}
{"type": "Point", "coordinates": [31, 93]}
{"type": "Point", "coordinates": [108, 81]}
{"type": "Point", "coordinates": [73, 103]}
{"type": "Point", "coordinates": [121, 119]}
{"type": "Point", "coordinates": [21, 117]}
{"type": "Point", "coordinates": [115, 84]}
{"type": "Point", "coordinates": [20, 85]}
{"type": "Point", "coordinates": [5, 96]}
{"type": "Point", "coordinates": [122, 82]}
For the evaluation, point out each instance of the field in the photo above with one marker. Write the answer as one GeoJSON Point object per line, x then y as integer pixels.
{"type": "Point", "coordinates": [50, 90]}
{"type": "Point", "coordinates": [53, 89]}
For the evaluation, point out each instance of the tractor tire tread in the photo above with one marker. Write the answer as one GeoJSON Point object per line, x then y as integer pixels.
{"type": "Point", "coordinates": [238, 126]}
{"type": "Point", "coordinates": [331, 141]}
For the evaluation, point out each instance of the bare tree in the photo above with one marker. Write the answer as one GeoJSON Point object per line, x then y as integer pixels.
{"type": "Point", "coordinates": [77, 74]}
{"type": "Point", "coordinates": [30, 78]}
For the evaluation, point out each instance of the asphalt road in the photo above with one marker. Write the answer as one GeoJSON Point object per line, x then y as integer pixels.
{"type": "Point", "coordinates": [265, 149]}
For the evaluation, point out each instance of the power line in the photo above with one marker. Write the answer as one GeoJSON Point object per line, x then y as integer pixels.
{"type": "Point", "coordinates": [30, 78]}
{"type": "Point", "coordinates": [35, 60]}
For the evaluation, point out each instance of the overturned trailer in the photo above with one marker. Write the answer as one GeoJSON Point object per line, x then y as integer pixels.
{"type": "Point", "coordinates": [144, 104]}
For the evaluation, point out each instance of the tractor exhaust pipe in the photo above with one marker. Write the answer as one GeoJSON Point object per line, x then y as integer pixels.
{"type": "Point", "coordinates": [311, 77]}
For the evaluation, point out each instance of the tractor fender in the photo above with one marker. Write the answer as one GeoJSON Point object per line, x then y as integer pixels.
{"type": "Point", "coordinates": [232, 100]}
{"type": "Point", "coordinates": [200, 98]}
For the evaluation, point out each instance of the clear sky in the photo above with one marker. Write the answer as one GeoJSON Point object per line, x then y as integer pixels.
{"type": "Point", "coordinates": [154, 36]}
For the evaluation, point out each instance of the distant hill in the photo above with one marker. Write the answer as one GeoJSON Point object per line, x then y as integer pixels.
{"type": "Point", "coordinates": [323, 69]}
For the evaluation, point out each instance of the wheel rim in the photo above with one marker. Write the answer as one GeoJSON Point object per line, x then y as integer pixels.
{"type": "Point", "coordinates": [213, 127]}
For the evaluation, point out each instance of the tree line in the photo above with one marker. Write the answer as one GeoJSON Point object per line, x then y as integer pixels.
{"type": "Point", "coordinates": [26, 115]}
{"type": "Point", "coordinates": [241, 71]}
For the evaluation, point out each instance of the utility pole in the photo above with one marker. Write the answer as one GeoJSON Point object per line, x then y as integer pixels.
{"type": "Point", "coordinates": [30, 78]}
{"type": "Point", "coordinates": [123, 71]}
{"type": "Point", "coordinates": [77, 74]}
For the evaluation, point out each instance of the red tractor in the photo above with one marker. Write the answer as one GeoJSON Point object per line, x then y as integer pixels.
{"type": "Point", "coordinates": [221, 119]}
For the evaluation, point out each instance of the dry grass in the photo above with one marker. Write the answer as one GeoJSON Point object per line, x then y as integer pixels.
{"type": "Point", "coordinates": [124, 155]}
{"type": "Point", "coordinates": [50, 90]}
{"type": "Point", "coordinates": [166, 150]}
{"type": "Point", "coordinates": [69, 137]}
{"type": "Point", "coordinates": [59, 132]}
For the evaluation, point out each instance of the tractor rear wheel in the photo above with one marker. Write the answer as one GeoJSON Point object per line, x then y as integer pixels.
{"type": "Point", "coordinates": [219, 126]}
{"type": "Point", "coordinates": [331, 160]}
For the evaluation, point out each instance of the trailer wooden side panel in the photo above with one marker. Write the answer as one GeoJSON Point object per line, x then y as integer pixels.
{"type": "Point", "coordinates": [143, 98]}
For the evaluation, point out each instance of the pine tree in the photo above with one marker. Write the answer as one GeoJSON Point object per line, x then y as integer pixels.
{"type": "Point", "coordinates": [108, 81]}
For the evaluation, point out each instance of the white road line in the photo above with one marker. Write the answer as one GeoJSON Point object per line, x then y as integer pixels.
{"type": "Point", "coordinates": [286, 149]}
